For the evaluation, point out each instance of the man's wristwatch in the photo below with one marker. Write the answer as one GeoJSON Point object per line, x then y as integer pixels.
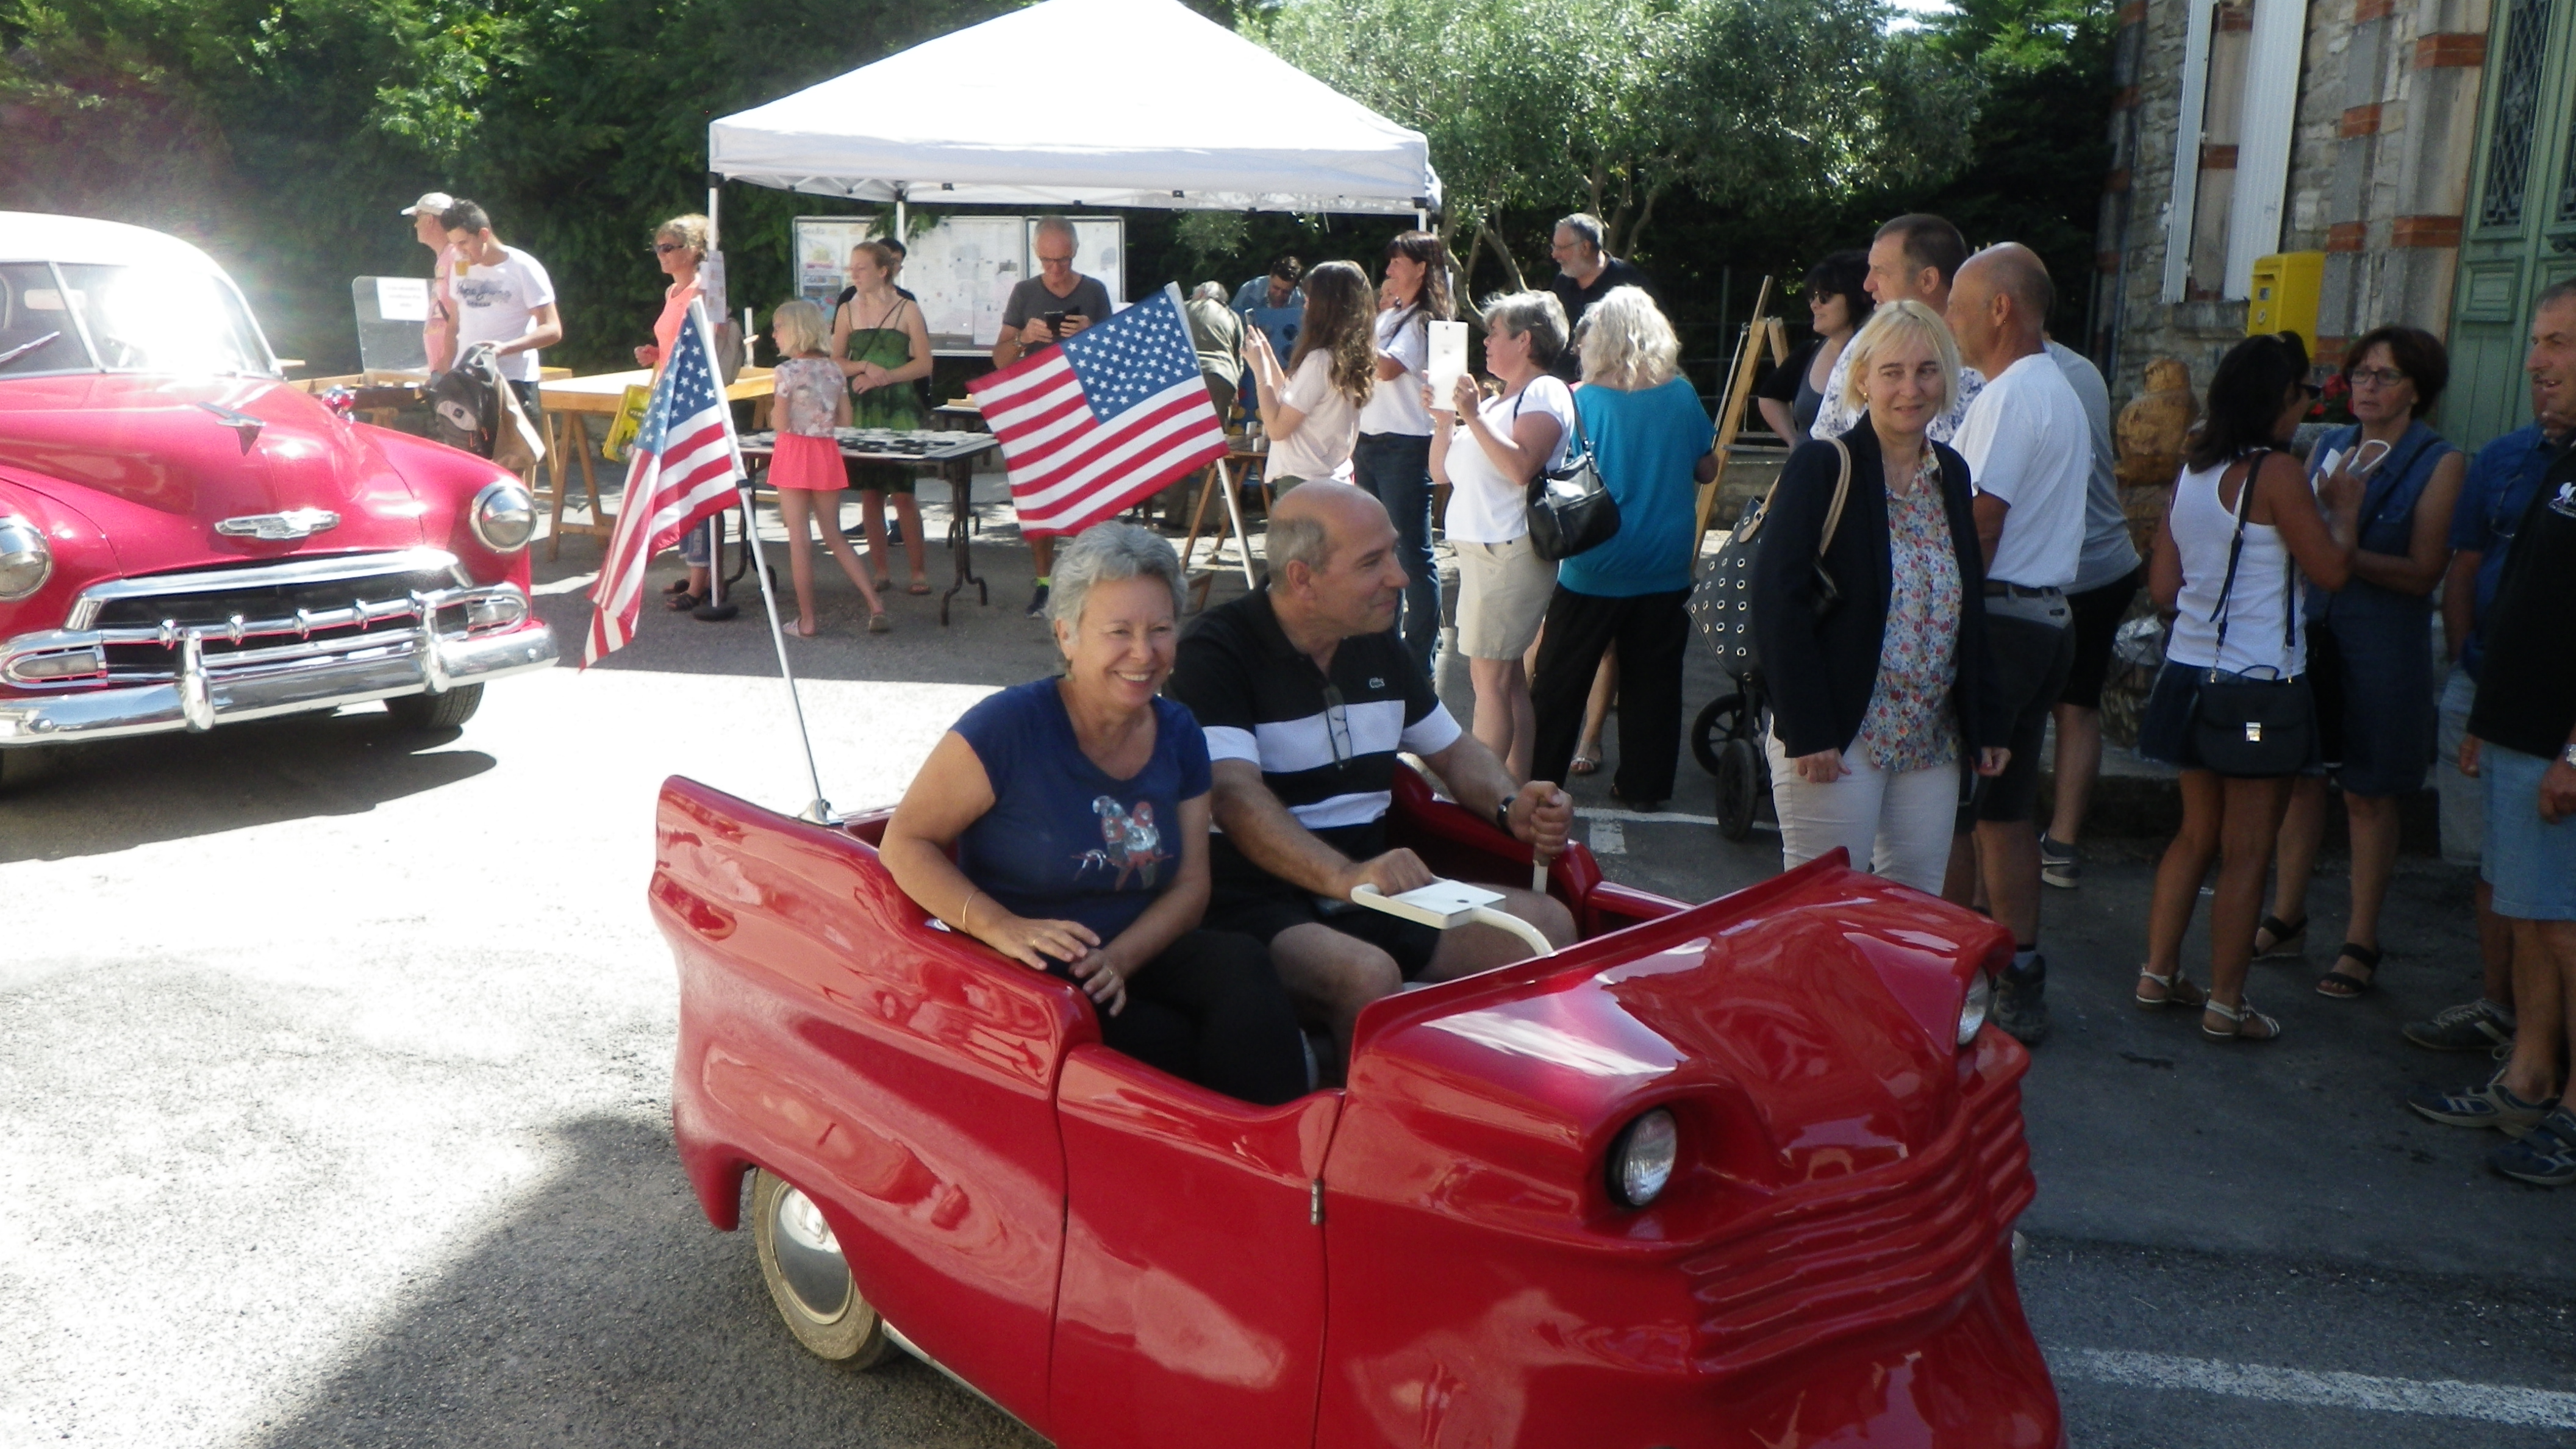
{"type": "Point", "coordinates": [1503, 809]}
{"type": "Point", "coordinates": [2567, 756]}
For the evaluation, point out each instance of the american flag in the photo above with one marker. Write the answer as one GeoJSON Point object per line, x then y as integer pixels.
{"type": "Point", "coordinates": [682, 471]}
{"type": "Point", "coordinates": [1100, 421]}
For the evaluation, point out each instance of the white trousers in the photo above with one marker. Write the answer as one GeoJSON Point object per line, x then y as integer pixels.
{"type": "Point", "coordinates": [1895, 824]}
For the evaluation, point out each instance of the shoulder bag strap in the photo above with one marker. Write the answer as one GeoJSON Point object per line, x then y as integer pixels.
{"type": "Point", "coordinates": [1842, 494]}
{"type": "Point", "coordinates": [2235, 551]}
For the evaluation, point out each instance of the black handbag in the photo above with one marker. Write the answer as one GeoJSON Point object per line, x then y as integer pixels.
{"type": "Point", "coordinates": [2254, 728]}
{"type": "Point", "coordinates": [1570, 511]}
{"type": "Point", "coordinates": [1721, 603]}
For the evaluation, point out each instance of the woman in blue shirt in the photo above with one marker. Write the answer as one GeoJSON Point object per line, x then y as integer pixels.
{"type": "Point", "coordinates": [2370, 646]}
{"type": "Point", "coordinates": [1077, 811]}
{"type": "Point", "coordinates": [1651, 440]}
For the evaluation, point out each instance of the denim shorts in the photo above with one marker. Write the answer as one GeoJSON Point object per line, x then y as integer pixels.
{"type": "Point", "coordinates": [2530, 862]}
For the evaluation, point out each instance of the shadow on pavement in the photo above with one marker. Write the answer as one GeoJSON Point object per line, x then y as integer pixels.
{"type": "Point", "coordinates": [138, 791]}
{"type": "Point", "coordinates": [603, 1311]}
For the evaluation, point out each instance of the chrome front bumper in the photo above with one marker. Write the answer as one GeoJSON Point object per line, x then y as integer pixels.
{"type": "Point", "coordinates": [224, 688]}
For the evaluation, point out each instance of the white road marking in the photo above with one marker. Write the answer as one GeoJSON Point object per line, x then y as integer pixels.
{"type": "Point", "coordinates": [1609, 838]}
{"type": "Point", "coordinates": [1661, 817]}
{"type": "Point", "coordinates": [2445, 1398]}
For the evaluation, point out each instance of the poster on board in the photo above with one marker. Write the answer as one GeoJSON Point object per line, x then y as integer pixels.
{"type": "Point", "coordinates": [823, 254]}
{"type": "Point", "coordinates": [961, 270]}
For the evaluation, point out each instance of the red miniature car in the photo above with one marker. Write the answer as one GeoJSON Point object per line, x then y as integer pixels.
{"type": "Point", "coordinates": [1739, 1174]}
{"type": "Point", "coordinates": [187, 540]}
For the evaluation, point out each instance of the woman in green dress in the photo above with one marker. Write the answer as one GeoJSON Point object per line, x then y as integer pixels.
{"type": "Point", "coordinates": [883, 348]}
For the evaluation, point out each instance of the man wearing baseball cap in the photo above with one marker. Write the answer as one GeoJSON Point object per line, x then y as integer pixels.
{"type": "Point", "coordinates": [438, 334]}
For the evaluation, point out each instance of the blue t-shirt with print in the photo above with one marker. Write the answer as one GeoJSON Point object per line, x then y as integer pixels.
{"type": "Point", "coordinates": [1645, 444]}
{"type": "Point", "coordinates": [2493, 498]}
{"type": "Point", "coordinates": [1064, 840]}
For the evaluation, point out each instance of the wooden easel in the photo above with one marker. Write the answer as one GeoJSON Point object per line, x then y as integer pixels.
{"type": "Point", "coordinates": [1758, 332]}
{"type": "Point", "coordinates": [1219, 480]}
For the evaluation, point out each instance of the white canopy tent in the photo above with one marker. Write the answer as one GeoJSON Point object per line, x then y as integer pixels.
{"type": "Point", "coordinates": [1081, 103]}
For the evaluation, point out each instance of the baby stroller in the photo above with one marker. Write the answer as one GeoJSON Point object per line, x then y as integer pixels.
{"type": "Point", "coordinates": [1727, 736]}
{"type": "Point", "coordinates": [1726, 739]}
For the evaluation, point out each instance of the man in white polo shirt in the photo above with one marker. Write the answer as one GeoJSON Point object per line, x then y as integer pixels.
{"type": "Point", "coordinates": [2030, 454]}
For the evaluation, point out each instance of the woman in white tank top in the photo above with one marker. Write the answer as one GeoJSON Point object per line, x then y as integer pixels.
{"type": "Point", "coordinates": [2258, 395]}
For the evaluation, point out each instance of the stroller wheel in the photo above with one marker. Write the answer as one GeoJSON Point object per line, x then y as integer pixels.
{"type": "Point", "coordinates": [1722, 719]}
{"type": "Point", "coordinates": [1740, 786]}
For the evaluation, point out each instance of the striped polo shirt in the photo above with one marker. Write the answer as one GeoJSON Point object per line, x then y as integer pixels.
{"type": "Point", "coordinates": [1326, 746]}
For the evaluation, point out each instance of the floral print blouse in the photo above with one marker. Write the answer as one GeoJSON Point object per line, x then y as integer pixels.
{"type": "Point", "coordinates": [1910, 724]}
{"type": "Point", "coordinates": [807, 392]}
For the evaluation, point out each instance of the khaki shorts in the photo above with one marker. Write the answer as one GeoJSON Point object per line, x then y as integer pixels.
{"type": "Point", "coordinates": [1503, 589]}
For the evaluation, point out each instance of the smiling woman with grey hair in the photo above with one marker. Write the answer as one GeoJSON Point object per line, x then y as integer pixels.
{"type": "Point", "coordinates": [1077, 811]}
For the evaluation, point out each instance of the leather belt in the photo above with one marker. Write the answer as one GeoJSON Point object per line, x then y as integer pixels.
{"type": "Point", "coordinates": [1997, 588]}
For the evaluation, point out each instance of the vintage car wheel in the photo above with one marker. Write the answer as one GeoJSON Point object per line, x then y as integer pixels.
{"type": "Point", "coordinates": [1739, 788]}
{"type": "Point", "coordinates": [1720, 720]}
{"type": "Point", "coordinates": [436, 711]}
{"type": "Point", "coordinates": [808, 1278]}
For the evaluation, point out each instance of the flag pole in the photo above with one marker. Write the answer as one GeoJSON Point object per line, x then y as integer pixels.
{"type": "Point", "coordinates": [820, 811]}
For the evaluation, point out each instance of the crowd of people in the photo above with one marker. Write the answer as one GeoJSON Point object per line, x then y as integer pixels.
{"type": "Point", "coordinates": [1945, 559]}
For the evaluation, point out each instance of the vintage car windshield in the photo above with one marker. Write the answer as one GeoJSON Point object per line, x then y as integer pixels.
{"type": "Point", "coordinates": [83, 317]}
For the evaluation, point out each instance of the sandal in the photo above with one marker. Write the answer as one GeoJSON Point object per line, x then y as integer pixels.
{"type": "Point", "coordinates": [2177, 988]}
{"type": "Point", "coordinates": [2238, 1016]}
{"type": "Point", "coordinates": [2342, 985]}
{"type": "Point", "coordinates": [1583, 764]}
{"type": "Point", "coordinates": [2282, 934]}
{"type": "Point", "coordinates": [878, 623]}
{"type": "Point", "coordinates": [920, 588]}
{"type": "Point", "coordinates": [682, 601]}
{"type": "Point", "coordinates": [679, 585]}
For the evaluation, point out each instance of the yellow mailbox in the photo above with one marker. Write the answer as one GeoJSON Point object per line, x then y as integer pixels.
{"type": "Point", "coordinates": [2283, 295]}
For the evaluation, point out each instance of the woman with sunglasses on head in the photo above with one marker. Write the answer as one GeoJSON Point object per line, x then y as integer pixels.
{"type": "Point", "coordinates": [1393, 458]}
{"type": "Point", "coordinates": [679, 248]}
{"type": "Point", "coordinates": [2370, 650]}
{"type": "Point", "coordinates": [2236, 616]}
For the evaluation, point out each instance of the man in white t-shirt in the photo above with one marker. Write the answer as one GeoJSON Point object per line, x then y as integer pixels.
{"type": "Point", "coordinates": [1912, 259]}
{"type": "Point", "coordinates": [2030, 455]}
{"type": "Point", "coordinates": [503, 297]}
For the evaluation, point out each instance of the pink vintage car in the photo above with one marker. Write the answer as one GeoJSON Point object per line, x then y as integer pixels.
{"type": "Point", "coordinates": [186, 540]}
{"type": "Point", "coordinates": [1739, 1175]}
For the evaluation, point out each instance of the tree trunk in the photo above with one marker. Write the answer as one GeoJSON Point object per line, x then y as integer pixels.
{"type": "Point", "coordinates": [1493, 241]}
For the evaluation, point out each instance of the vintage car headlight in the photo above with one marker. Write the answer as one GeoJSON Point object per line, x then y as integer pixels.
{"type": "Point", "coordinates": [1972, 1011]}
{"type": "Point", "coordinates": [26, 560]}
{"type": "Point", "coordinates": [1641, 1161]}
{"type": "Point", "coordinates": [504, 517]}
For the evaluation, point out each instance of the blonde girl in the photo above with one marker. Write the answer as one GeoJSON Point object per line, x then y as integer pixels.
{"type": "Point", "coordinates": [812, 400]}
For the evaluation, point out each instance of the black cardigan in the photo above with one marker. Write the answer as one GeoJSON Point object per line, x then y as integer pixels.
{"type": "Point", "coordinates": [1820, 671]}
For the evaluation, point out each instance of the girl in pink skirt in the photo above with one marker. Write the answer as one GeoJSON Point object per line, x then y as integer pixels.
{"type": "Point", "coordinates": [811, 399]}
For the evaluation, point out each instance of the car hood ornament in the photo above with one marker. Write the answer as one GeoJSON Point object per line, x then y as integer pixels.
{"type": "Point", "coordinates": [244, 426]}
{"type": "Point", "coordinates": [280, 527]}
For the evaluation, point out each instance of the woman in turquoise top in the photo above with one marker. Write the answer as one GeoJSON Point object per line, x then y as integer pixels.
{"type": "Point", "coordinates": [1651, 440]}
{"type": "Point", "coordinates": [2370, 647]}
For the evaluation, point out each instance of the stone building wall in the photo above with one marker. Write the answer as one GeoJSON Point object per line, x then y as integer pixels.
{"type": "Point", "coordinates": [2379, 174]}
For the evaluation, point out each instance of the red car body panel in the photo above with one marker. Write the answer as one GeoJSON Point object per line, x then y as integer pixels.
{"type": "Point", "coordinates": [1431, 1256]}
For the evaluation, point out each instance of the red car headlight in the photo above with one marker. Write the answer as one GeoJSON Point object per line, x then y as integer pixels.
{"type": "Point", "coordinates": [504, 517]}
{"type": "Point", "coordinates": [1973, 1007]}
{"type": "Point", "coordinates": [1641, 1160]}
{"type": "Point", "coordinates": [26, 560]}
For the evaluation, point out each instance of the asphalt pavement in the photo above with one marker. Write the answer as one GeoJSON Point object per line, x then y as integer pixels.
{"type": "Point", "coordinates": [335, 1063]}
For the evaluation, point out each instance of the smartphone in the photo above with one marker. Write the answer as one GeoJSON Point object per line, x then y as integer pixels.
{"type": "Point", "coordinates": [1054, 320]}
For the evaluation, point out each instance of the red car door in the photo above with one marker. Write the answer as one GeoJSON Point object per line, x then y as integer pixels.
{"type": "Point", "coordinates": [1192, 1308]}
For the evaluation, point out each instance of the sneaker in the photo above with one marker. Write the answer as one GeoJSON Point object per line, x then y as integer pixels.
{"type": "Point", "coordinates": [2488, 1106]}
{"type": "Point", "coordinates": [2471, 1026]}
{"type": "Point", "coordinates": [2547, 1157]}
{"type": "Point", "coordinates": [1037, 603]}
{"type": "Point", "coordinates": [2059, 865]}
{"type": "Point", "coordinates": [2021, 1009]}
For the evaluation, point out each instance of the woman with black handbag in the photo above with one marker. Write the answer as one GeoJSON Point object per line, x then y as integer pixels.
{"type": "Point", "coordinates": [1648, 437]}
{"type": "Point", "coordinates": [2232, 707]}
{"type": "Point", "coordinates": [1487, 450]}
{"type": "Point", "coordinates": [1869, 613]}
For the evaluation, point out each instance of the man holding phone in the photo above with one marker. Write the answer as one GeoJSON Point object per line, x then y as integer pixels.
{"type": "Point", "coordinates": [1046, 309]}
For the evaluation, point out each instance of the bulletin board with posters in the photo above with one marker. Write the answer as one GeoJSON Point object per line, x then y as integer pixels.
{"type": "Point", "coordinates": [962, 268]}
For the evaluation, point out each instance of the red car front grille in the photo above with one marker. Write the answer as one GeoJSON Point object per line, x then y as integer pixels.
{"type": "Point", "coordinates": [1836, 1263]}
